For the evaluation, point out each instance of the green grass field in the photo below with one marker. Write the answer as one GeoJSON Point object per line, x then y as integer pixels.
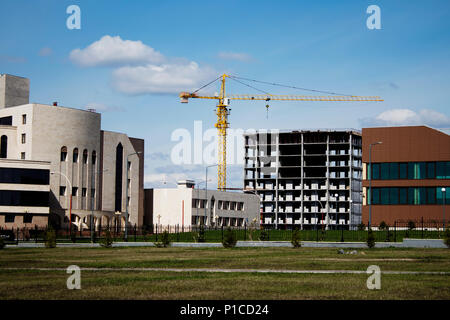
{"type": "Point", "coordinates": [132, 284]}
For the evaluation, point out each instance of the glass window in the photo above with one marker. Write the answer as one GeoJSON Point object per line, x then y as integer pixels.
{"type": "Point", "coordinates": [94, 157]}
{"type": "Point", "coordinates": [376, 171]}
{"type": "Point", "coordinates": [431, 196]}
{"type": "Point", "coordinates": [75, 155]}
{"type": "Point", "coordinates": [22, 155]}
{"type": "Point", "coordinates": [384, 196]}
{"type": "Point", "coordinates": [63, 153]}
{"type": "Point", "coordinates": [85, 156]}
{"type": "Point", "coordinates": [411, 170]}
{"type": "Point", "coordinates": [393, 195]}
{"type": "Point", "coordinates": [403, 192]}
{"type": "Point", "coordinates": [385, 171]}
{"type": "Point", "coordinates": [403, 170]}
{"type": "Point", "coordinates": [62, 191]}
{"type": "Point", "coordinates": [431, 170]}
{"type": "Point", "coordinates": [28, 218]}
{"type": "Point", "coordinates": [9, 218]}
{"type": "Point", "coordinates": [24, 119]}
{"type": "Point", "coordinates": [24, 138]}
{"type": "Point", "coordinates": [422, 196]}
{"type": "Point", "coordinates": [411, 195]}
{"type": "Point", "coordinates": [447, 171]}
{"type": "Point", "coordinates": [393, 171]}
{"type": "Point", "coordinates": [74, 191]}
{"type": "Point", "coordinates": [421, 169]}
{"type": "Point", "coordinates": [440, 170]}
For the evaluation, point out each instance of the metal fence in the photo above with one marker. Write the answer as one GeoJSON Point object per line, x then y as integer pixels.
{"type": "Point", "coordinates": [418, 229]}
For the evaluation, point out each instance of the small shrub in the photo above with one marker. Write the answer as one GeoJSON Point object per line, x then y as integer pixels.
{"type": "Point", "coordinates": [200, 235]}
{"type": "Point", "coordinates": [263, 235]}
{"type": "Point", "coordinates": [296, 239]}
{"type": "Point", "coordinates": [50, 237]}
{"type": "Point", "coordinates": [383, 226]}
{"type": "Point", "coordinates": [229, 239]}
{"type": "Point", "coordinates": [411, 225]}
{"type": "Point", "coordinates": [107, 241]}
{"type": "Point", "coordinates": [370, 239]}
{"type": "Point", "coordinates": [2, 243]}
{"type": "Point", "coordinates": [165, 240]}
{"type": "Point", "coordinates": [447, 237]}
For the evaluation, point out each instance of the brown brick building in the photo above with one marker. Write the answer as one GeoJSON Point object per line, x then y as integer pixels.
{"type": "Point", "coordinates": [409, 169]}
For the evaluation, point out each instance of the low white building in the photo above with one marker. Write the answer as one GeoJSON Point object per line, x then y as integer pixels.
{"type": "Point", "coordinates": [188, 206]}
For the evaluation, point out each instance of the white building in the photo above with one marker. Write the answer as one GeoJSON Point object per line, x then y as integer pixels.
{"type": "Point", "coordinates": [88, 165]}
{"type": "Point", "coordinates": [186, 206]}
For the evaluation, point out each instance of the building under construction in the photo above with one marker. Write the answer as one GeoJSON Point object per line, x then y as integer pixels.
{"type": "Point", "coordinates": [306, 179]}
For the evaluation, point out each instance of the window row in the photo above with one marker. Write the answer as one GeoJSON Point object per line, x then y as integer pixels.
{"type": "Point", "coordinates": [24, 176]}
{"type": "Point", "coordinates": [24, 198]}
{"type": "Point", "coordinates": [410, 196]}
{"type": "Point", "coordinates": [409, 170]}
{"type": "Point", "coordinates": [10, 218]}
{"type": "Point", "coordinates": [63, 191]}
{"type": "Point", "coordinates": [75, 156]}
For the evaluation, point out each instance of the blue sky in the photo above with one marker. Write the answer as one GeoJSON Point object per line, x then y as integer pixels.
{"type": "Point", "coordinates": [323, 45]}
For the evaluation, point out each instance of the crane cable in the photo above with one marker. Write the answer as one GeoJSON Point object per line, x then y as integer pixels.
{"type": "Point", "coordinates": [292, 87]}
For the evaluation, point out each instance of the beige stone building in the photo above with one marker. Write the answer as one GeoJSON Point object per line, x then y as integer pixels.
{"type": "Point", "coordinates": [90, 170]}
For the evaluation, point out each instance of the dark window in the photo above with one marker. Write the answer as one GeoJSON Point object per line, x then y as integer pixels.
{"type": "Point", "coordinates": [6, 121]}
{"type": "Point", "coordinates": [119, 173]}
{"type": "Point", "coordinates": [92, 193]}
{"type": "Point", "coordinates": [83, 192]}
{"type": "Point", "coordinates": [431, 196]}
{"type": "Point", "coordinates": [421, 170]}
{"type": "Point", "coordinates": [403, 168]}
{"type": "Point", "coordinates": [384, 196]}
{"type": "Point", "coordinates": [85, 156]}
{"type": "Point", "coordinates": [393, 196]}
{"type": "Point", "coordinates": [74, 191]}
{"type": "Point", "coordinates": [24, 176]}
{"type": "Point", "coordinates": [393, 171]}
{"type": "Point", "coordinates": [22, 155]}
{"type": "Point", "coordinates": [375, 196]}
{"type": "Point", "coordinates": [403, 192]}
{"type": "Point", "coordinates": [4, 147]}
{"type": "Point", "coordinates": [385, 171]}
{"type": "Point", "coordinates": [411, 195]}
{"type": "Point", "coordinates": [376, 171]}
{"type": "Point", "coordinates": [62, 191]}
{"type": "Point", "coordinates": [28, 218]}
{"type": "Point", "coordinates": [24, 198]}
{"type": "Point", "coordinates": [411, 170]}
{"type": "Point", "coordinates": [24, 138]}
{"type": "Point", "coordinates": [63, 153]}
{"type": "Point", "coordinates": [24, 119]}
{"type": "Point", "coordinates": [94, 157]}
{"type": "Point", "coordinates": [422, 196]}
{"type": "Point", "coordinates": [75, 155]}
{"type": "Point", "coordinates": [431, 170]}
{"type": "Point", "coordinates": [9, 218]}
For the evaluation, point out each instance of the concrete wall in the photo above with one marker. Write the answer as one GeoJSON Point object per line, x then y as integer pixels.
{"type": "Point", "coordinates": [14, 90]}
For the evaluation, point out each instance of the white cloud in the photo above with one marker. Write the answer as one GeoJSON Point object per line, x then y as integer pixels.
{"type": "Point", "coordinates": [115, 51]}
{"type": "Point", "coordinates": [165, 78]}
{"type": "Point", "coordinates": [399, 117]}
{"type": "Point", "coordinates": [234, 56]}
{"type": "Point", "coordinates": [140, 69]}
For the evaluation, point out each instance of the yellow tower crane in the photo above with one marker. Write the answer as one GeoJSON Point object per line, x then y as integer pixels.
{"type": "Point", "coordinates": [222, 111]}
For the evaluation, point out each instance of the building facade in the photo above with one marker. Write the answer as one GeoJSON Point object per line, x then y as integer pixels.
{"type": "Point", "coordinates": [306, 179]}
{"type": "Point", "coordinates": [409, 176]}
{"type": "Point", "coordinates": [91, 170]}
{"type": "Point", "coordinates": [188, 206]}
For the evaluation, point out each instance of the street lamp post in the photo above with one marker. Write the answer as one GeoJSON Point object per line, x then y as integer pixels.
{"type": "Point", "coordinates": [443, 208]}
{"type": "Point", "coordinates": [370, 181]}
{"type": "Point", "coordinates": [126, 198]}
{"type": "Point", "coordinates": [206, 188]}
{"type": "Point", "coordinates": [92, 202]}
{"type": "Point", "coordinates": [70, 198]}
